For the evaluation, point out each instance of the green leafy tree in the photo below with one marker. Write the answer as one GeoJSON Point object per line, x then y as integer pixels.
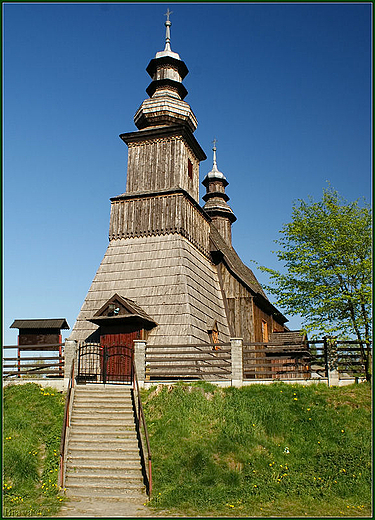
{"type": "Point", "coordinates": [326, 252]}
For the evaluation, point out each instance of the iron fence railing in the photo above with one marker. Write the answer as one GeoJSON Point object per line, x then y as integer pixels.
{"type": "Point", "coordinates": [142, 433]}
{"type": "Point", "coordinates": [104, 363]}
{"type": "Point", "coordinates": [66, 424]}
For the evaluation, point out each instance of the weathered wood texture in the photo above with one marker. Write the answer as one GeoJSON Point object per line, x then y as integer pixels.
{"type": "Point", "coordinates": [169, 278]}
{"type": "Point", "coordinates": [158, 164]}
{"type": "Point", "coordinates": [239, 305]}
{"type": "Point", "coordinates": [270, 361]}
{"type": "Point", "coordinates": [188, 361]}
{"type": "Point", "coordinates": [272, 325]}
{"type": "Point", "coordinates": [36, 337]}
{"type": "Point", "coordinates": [151, 214]}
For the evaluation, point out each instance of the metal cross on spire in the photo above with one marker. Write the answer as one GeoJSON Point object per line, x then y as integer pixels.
{"type": "Point", "coordinates": [214, 150]}
{"type": "Point", "coordinates": [168, 13]}
{"type": "Point", "coordinates": [167, 24]}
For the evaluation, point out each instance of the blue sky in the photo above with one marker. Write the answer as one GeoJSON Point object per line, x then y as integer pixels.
{"type": "Point", "coordinates": [285, 89]}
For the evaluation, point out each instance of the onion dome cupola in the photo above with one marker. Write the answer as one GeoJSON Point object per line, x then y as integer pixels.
{"type": "Point", "coordinates": [166, 106]}
{"type": "Point", "coordinates": [216, 199]}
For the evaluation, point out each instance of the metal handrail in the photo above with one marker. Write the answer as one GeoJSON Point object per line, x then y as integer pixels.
{"type": "Point", "coordinates": [66, 424]}
{"type": "Point", "coordinates": [141, 418]}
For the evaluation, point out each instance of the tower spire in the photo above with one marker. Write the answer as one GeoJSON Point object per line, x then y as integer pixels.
{"type": "Point", "coordinates": [216, 199]}
{"type": "Point", "coordinates": [166, 106]}
{"type": "Point", "coordinates": [214, 167]}
{"type": "Point", "coordinates": [168, 24]}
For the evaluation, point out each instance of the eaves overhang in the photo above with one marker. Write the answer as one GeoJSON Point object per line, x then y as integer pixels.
{"type": "Point", "coordinates": [166, 131]}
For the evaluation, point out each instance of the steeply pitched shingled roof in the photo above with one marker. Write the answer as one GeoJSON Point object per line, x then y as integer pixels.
{"type": "Point", "coordinates": [235, 263]}
{"type": "Point", "coordinates": [243, 273]}
{"type": "Point", "coordinates": [53, 323]}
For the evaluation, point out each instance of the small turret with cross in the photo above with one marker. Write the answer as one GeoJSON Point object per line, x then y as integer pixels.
{"type": "Point", "coordinates": [216, 199]}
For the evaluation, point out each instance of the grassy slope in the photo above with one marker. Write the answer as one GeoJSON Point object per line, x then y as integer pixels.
{"type": "Point", "coordinates": [31, 439]}
{"type": "Point", "coordinates": [281, 450]}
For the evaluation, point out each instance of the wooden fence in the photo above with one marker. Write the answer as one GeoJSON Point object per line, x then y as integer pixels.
{"type": "Point", "coordinates": [40, 361]}
{"type": "Point", "coordinates": [203, 361]}
{"type": "Point", "coordinates": [310, 360]}
{"type": "Point", "coordinates": [268, 361]}
{"type": "Point", "coordinates": [344, 356]}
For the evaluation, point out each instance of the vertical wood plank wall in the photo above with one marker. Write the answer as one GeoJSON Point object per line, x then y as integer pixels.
{"type": "Point", "coordinates": [159, 215]}
{"type": "Point", "coordinates": [159, 164]}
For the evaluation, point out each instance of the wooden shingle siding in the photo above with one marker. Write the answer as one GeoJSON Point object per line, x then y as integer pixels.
{"type": "Point", "coordinates": [169, 278]}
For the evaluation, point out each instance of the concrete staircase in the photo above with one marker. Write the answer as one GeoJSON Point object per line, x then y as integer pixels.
{"type": "Point", "coordinates": [103, 459]}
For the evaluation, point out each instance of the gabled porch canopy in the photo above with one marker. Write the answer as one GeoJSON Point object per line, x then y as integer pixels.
{"type": "Point", "coordinates": [119, 310]}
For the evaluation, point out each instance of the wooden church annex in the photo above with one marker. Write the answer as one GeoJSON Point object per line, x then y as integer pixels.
{"type": "Point", "coordinates": [170, 275]}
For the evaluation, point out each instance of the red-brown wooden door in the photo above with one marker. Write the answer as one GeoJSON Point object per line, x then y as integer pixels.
{"type": "Point", "coordinates": [118, 351]}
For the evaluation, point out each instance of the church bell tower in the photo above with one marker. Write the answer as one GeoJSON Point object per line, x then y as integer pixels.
{"type": "Point", "coordinates": [157, 270]}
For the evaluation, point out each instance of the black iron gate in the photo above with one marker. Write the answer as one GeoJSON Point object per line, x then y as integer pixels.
{"type": "Point", "coordinates": [104, 364]}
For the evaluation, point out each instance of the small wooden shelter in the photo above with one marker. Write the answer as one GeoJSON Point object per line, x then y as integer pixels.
{"type": "Point", "coordinates": [40, 335]}
{"type": "Point", "coordinates": [39, 332]}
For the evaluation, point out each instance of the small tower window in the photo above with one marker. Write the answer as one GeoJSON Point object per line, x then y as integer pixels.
{"type": "Point", "coordinates": [190, 169]}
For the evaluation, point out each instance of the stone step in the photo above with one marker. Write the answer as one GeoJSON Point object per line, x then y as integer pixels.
{"type": "Point", "coordinates": [102, 453]}
{"type": "Point", "coordinates": [103, 410]}
{"type": "Point", "coordinates": [77, 467]}
{"type": "Point", "coordinates": [118, 425]}
{"type": "Point", "coordinates": [107, 433]}
{"type": "Point", "coordinates": [107, 494]}
{"type": "Point", "coordinates": [106, 385]}
{"type": "Point", "coordinates": [115, 420]}
{"type": "Point", "coordinates": [107, 459]}
{"type": "Point", "coordinates": [125, 444]}
{"type": "Point", "coordinates": [103, 398]}
{"type": "Point", "coordinates": [96, 394]}
{"type": "Point", "coordinates": [104, 429]}
{"type": "Point", "coordinates": [127, 481]}
{"type": "Point", "coordinates": [105, 403]}
{"type": "Point", "coordinates": [94, 405]}
{"type": "Point", "coordinates": [100, 488]}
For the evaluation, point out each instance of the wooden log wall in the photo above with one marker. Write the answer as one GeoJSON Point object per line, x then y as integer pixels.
{"type": "Point", "coordinates": [158, 164]}
{"type": "Point", "coordinates": [239, 305]}
{"type": "Point", "coordinates": [159, 215]}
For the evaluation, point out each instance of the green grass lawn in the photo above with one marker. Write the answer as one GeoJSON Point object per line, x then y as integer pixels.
{"type": "Point", "coordinates": [33, 418]}
{"type": "Point", "coordinates": [262, 450]}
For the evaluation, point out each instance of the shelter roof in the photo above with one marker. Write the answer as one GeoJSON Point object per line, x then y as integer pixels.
{"type": "Point", "coordinates": [53, 323]}
{"type": "Point", "coordinates": [292, 337]}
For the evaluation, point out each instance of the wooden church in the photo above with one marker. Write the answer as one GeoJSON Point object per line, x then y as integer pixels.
{"type": "Point", "coordinates": [170, 274]}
